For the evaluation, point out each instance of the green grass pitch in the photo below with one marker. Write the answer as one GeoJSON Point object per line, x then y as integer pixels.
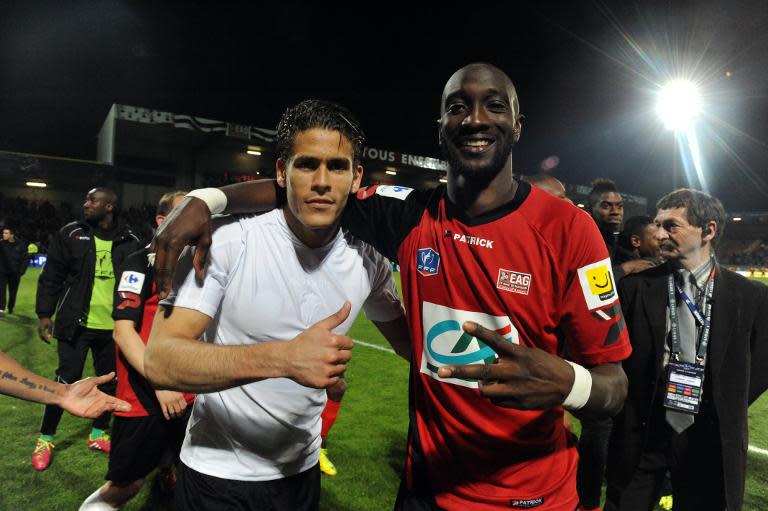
{"type": "Point", "coordinates": [367, 444]}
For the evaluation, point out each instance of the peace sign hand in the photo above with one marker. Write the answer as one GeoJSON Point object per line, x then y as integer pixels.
{"type": "Point", "coordinates": [523, 378]}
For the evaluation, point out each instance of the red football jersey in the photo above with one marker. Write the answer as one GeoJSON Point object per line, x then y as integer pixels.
{"type": "Point", "coordinates": [536, 271]}
{"type": "Point", "coordinates": [136, 300]}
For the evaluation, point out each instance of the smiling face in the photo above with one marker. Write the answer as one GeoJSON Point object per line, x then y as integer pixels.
{"type": "Point", "coordinates": [600, 282]}
{"type": "Point", "coordinates": [318, 177]}
{"type": "Point", "coordinates": [479, 121]}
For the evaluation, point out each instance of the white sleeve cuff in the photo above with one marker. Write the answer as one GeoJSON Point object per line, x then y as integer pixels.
{"type": "Point", "coordinates": [213, 198]}
{"type": "Point", "coordinates": [582, 388]}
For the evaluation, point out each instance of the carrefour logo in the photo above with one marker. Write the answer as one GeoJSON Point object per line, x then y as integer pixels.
{"type": "Point", "coordinates": [131, 282]}
{"type": "Point", "coordinates": [445, 343]}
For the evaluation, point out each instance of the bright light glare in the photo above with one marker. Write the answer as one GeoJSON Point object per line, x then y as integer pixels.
{"type": "Point", "coordinates": [36, 184]}
{"type": "Point", "coordinates": [678, 104]}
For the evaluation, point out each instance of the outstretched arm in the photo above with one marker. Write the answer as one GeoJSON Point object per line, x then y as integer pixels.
{"type": "Point", "coordinates": [532, 379]}
{"type": "Point", "coordinates": [190, 224]}
{"type": "Point", "coordinates": [176, 359]}
{"type": "Point", "coordinates": [81, 398]}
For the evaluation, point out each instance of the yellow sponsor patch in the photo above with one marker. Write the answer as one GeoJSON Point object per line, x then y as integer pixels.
{"type": "Point", "coordinates": [597, 284]}
{"type": "Point", "coordinates": [600, 281]}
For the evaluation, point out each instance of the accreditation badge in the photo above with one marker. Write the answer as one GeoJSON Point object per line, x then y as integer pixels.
{"type": "Point", "coordinates": [685, 386]}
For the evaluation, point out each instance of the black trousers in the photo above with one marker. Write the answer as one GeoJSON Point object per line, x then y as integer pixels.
{"type": "Point", "coordinates": [72, 355]}
{"type": "Point", "coordinates": [200, 492]}
{"type": "Point", "coordinates": [10, 280]}
{"type": "Point", "coordinates": [695, 463]}
{"type": "Point", "coordinates": [593, 454]}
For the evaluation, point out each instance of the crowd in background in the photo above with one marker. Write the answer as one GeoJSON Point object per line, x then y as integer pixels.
{"type": "Point", "coordinates": [744, 253]}
{"type": "Point", "coordinates": [35, 221]}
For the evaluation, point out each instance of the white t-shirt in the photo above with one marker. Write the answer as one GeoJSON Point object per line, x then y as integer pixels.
{"type": "Point", "coordinates": [263, 284]}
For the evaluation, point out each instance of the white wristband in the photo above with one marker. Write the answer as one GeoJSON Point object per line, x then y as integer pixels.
{"type": "Point", "coordinates": [213, 198]}
{"type": "Point", "coordinates": [582, 388]}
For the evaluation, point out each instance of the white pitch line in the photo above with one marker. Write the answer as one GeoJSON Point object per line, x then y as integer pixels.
{"type": "Point", "coordinates": [374, 346]}
{"type": "Point", "coordinates": [752, 448]}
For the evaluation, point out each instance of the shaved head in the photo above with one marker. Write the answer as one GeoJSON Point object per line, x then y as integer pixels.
{"type": "Point", "coordinates": [549, 184]}
{"type": "Point", "coordinates": [478, 71]}
{"type": "Point", "coordinates": [100, 206]}
{"type": "Point", "coordinates": [479, 123]}
{"type": "Point", "coordinates": [108, 194]}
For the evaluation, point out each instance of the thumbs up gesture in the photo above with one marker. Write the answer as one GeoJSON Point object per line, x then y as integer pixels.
{"type": "Point", "coordinates": [317, 357]}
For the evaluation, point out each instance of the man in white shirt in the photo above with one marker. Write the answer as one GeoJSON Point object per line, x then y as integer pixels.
{"type": "Point", "coordinates": [280, 291]}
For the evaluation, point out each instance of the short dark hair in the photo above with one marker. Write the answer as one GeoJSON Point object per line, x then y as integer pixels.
{"type": "Point", "coordinates": [700, 208]}
{"type": "Point", "coordinates": [634, 226]}
{"type": "Point", "coordinates": [600, 186]}
{"type": "Point", "coordinates": [315, 113]}
{"type": "Point", "coordinates": [165, 204]}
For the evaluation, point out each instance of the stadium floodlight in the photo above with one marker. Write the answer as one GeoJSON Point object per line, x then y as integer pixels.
{"type": "Point", "coordinates": [678, 104]}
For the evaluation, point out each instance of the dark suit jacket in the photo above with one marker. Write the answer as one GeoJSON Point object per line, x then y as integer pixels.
{"type": "Point", "coordinates": [737, 367]}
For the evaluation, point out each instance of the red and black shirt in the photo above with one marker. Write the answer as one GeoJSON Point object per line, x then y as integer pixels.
{"type": "Point", "coordinates": [535, 270]}
{"type": "Point", "coordinates": [136, 300]}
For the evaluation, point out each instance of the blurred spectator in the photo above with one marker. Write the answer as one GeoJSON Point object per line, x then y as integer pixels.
{"type": "Point", "coordinates": [37, 220]}
{"type": "Point", "coordinates": [637, 241]}
{"type": "Point", "coordinates": [606, 206]}
{"type": "Point", "coordinates": [549, 184]}
{"type": "Point", "coordinates": [13, 264]}
{"type": "Point", "coordinates": [744, 253]}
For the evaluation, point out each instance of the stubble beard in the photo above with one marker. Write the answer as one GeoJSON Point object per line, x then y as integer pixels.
{"type": "Point", "coordinates": [475, 174]}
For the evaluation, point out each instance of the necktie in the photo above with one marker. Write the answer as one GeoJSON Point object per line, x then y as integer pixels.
{"type": "Point", "coordinates": [681, 421]}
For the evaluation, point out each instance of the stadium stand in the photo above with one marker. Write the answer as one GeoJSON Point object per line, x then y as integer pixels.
{"type": "Point", "coordinates": [36, 221]}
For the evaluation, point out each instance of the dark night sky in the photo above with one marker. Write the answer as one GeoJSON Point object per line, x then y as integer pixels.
{"type": "Point", "coordinates": [586, 74]}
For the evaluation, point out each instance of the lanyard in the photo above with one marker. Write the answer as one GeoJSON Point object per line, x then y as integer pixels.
{"type": "Point", "coordinates": [703, 321]}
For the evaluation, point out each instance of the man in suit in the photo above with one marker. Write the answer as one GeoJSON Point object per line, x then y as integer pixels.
{"type": "Point", "coordinates": [719, 334]}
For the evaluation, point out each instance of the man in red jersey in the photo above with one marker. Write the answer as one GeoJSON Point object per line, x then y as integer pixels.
{"type": "Point", "coordinates": [150, 435]}
{"type": "Point", "coordinates": [499, 278]}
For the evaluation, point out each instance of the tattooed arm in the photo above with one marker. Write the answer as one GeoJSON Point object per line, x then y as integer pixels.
{"type": "Point", "coordinates": [81, 398]}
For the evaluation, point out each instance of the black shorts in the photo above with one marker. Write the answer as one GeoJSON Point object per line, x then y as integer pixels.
{"type": "Point", "coordinates": [140, 444]}
{"type": "Point", "coordinates": [201, 492]}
